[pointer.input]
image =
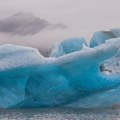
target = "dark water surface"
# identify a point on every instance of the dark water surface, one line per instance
(60, 114)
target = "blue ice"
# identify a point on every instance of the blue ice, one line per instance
(71, 77)
(68, 46)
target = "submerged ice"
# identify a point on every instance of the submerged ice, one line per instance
(75, 75)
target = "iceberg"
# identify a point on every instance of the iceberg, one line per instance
(71, 77)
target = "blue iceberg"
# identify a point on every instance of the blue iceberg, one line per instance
(71, 77)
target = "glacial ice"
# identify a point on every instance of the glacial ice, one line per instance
(110, 66)
(15, 65)
(71, 77)
(100, 37)
(67, 46)
(116, 32)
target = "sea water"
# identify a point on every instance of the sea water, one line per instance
(60, 114)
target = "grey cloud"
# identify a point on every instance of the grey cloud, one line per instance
(60, 26)
(25, 24)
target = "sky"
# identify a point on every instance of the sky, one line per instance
(41, 23)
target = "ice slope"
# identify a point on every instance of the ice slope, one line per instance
(67, 46)
(27, 79)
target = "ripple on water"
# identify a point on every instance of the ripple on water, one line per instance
(60, 114)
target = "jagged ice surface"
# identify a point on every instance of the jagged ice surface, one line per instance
(67, 46)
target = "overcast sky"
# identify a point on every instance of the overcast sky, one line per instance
(41, 23)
